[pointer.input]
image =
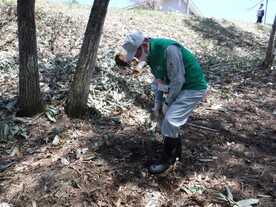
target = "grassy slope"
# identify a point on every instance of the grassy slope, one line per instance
(200, 35)
(60, 28)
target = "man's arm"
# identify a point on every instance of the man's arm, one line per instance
(158, 95)
(175, 72)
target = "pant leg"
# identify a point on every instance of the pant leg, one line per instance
(179, 112)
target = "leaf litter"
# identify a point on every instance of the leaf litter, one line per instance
(102, 160)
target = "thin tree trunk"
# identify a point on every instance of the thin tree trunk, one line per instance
(270, 52)
(188, 7)
(266, 6)
(76, 105)
(29, 100)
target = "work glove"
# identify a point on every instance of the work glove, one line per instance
(156, 110)
(165, 108)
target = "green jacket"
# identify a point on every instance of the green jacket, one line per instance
(194, 78)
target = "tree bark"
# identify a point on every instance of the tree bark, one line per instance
(29, 100)
(271, 48)
(76, 104)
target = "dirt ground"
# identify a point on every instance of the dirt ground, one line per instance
(234, 146)
(229, 141)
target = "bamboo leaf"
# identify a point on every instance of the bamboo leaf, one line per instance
(229, 193)
(247, 202)
(6, 130)
(51, 113)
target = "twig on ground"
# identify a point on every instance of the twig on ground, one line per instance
(202, 127)
(35, 118)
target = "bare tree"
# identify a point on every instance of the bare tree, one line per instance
(29, 100)
(271, 48)
(149, 4)
(78, 95)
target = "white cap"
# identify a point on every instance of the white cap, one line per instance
(132, 43)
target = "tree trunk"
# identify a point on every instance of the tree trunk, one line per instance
(271, 49)
(76, 104)
(29, 100)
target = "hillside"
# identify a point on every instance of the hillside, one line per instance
(102, 159)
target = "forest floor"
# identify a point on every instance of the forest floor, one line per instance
(102, 159)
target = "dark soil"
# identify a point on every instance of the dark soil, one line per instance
(237, 147)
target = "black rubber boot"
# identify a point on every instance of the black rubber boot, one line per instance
(172, 150)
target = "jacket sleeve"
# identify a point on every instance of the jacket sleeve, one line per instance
(158, 95)
(175, 72)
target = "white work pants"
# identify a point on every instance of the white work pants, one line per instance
(179, 112)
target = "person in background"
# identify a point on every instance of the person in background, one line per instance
(178, 85)
(260, 13)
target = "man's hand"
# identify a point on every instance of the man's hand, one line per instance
(165, 108)
(156, 110)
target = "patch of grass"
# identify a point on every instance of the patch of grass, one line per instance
(256, 61)
(42, 37)
(39, 28)
(260, 27)
(138, 11)
(225, 95)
